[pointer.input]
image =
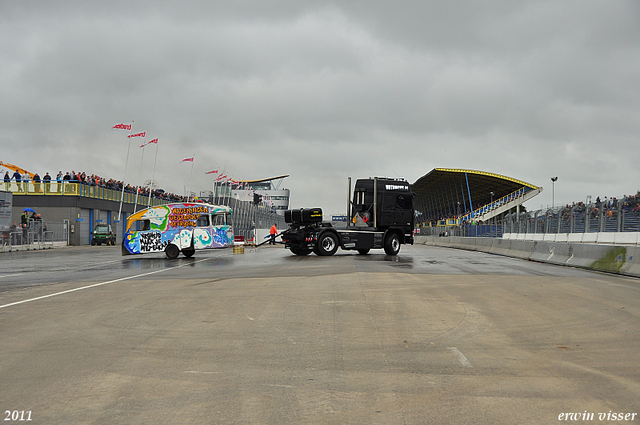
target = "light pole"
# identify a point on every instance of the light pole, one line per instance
(492, 218)
(553, 191)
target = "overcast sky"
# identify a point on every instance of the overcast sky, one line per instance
(325, 90)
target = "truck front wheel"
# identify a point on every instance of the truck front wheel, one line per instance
(327, 244)
(392, 244)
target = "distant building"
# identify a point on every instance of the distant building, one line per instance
(266, 192)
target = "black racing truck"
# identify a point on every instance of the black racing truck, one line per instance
(381, 215)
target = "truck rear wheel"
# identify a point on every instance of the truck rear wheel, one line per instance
(392, 244)
(327, 244)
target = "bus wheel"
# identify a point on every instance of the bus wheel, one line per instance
(188, 252)
(172, 251)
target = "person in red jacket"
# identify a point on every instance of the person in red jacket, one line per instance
(273, 232)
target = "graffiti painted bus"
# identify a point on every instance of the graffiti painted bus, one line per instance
(175, 228)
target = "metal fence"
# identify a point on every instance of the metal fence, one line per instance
(37, 234)
(247, 217)
(615, 215)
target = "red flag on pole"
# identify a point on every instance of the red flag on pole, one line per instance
(212, 172)
(122, 126)
(143, 134)
(149, 142)
(187, 160)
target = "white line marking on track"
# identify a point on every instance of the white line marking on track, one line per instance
(100, 284)
(10, 275)
(460, 356)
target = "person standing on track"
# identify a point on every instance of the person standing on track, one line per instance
(273, 232)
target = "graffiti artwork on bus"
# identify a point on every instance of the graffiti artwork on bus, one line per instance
(174, 228)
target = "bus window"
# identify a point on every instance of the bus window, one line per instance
(203, 221)
(219, 219)
(142, 225)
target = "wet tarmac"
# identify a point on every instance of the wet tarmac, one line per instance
(434, 335)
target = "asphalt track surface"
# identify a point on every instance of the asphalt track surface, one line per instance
(433, 336)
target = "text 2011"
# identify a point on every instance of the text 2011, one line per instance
(17, 415)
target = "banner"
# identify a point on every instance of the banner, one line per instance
(143, 134)
(187, 159)
(149, 142)
(122, 127)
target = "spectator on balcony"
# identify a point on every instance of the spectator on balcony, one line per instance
(25, 181)
(36, 182)
(18, 178)
(59, 181)
(7, 181)
(47, 183)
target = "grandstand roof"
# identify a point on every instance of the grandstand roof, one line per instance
(264, 180)
(453, 192)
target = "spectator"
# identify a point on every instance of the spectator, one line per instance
(47, 183)
(24, 223)
(59, 181)
(18, 178)
(25, 181)
(36, 182)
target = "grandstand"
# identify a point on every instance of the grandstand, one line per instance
(450, 197)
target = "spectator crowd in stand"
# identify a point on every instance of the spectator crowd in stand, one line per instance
(90, 180)
(608, 206)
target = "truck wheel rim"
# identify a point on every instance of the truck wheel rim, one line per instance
(395, 244)
(328, 244)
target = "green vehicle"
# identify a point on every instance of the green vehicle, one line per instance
(103, 234)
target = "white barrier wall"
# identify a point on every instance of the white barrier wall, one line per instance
(612, 258)
(611, 238)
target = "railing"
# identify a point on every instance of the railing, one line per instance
(80, 189)
(621, 215)
(495, 204)
(36, 235)
(480, 230)
(617, 216)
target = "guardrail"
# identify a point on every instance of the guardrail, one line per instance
(37, 235)
(80, 189)
(620, 215)
(594, 221)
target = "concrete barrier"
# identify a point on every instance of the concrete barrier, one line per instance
(500, 246)
(631, 266)
(619, 259)
(521, 249)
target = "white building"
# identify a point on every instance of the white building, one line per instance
(266, 191)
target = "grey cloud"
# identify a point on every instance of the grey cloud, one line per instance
(323, 90)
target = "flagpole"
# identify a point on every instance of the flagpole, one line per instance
(153, 174)
(190, 174)
(125, 173)
(135, 205)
